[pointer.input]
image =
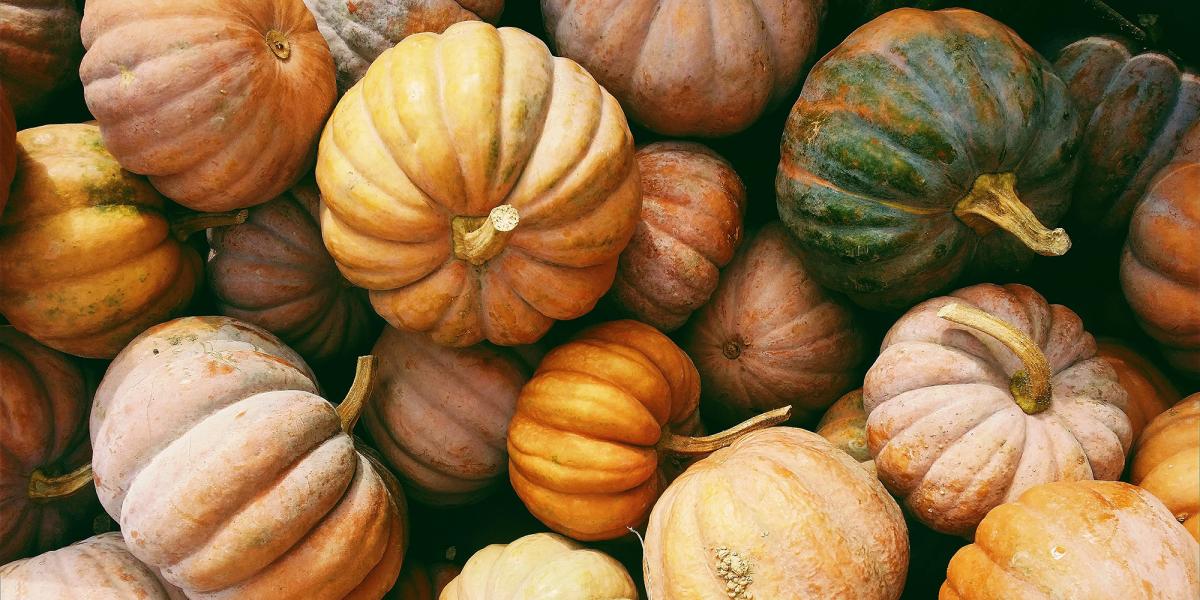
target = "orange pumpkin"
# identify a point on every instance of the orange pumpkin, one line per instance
(478, 186)
(98, 568)
(1166, 461)
(1100, 540)
(422, 581)
(8, 147)
(39, 50)
(1149, 390)
(845, 426)
(219, 102)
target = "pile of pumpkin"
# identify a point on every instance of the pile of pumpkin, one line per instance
(408, 160)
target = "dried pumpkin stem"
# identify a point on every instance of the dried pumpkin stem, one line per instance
(352, 405)
(1030, 387)
(43, 488)
(478, 239)
(278, 43)
(185, 226)
(694, 446)
(993, 202)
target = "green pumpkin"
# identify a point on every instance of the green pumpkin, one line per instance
(925, 145)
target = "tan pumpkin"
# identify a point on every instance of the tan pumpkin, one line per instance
(39, 51)
(845, 426)
(8, 147)
(982, 394)
(692, 208)
(771, 336)
(781, 514)
(98, 568)
(1166, 462)
(273, 271)
(541, 566)
(1149, 390)
(218, 420)
(1100, 540)
(478, 186)
(219, 102)
(422, 581)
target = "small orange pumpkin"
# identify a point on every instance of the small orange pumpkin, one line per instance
(1149, 390)
(845, 426)
(1166, 461)
(420, 580)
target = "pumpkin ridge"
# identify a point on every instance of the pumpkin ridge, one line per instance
(612, 388)
(459, 418)
(285, 238)
(448, 133)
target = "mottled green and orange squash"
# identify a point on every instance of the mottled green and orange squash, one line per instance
(845, 426)
(39, 50)
(927, 144)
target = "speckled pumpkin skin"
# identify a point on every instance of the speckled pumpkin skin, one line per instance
(98, 568)
(8, 147)
(1135, 108)
(87, 259)
(1148, 389)
(541, 566)
(891, 130)
(39, 50)
(1166, 462)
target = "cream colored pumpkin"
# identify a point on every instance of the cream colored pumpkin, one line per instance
(541, 566)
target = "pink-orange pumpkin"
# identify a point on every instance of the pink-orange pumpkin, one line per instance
(98, 568)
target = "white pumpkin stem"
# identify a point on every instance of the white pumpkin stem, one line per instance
(993, 202)
(695, 446)
(183, 227)
(478, 239)
(1030, 387)
(43, 488)
(352, 405)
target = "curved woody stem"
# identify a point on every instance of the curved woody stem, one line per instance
(360, 391)
(1030, 387)
(694, 446)
(43, 488)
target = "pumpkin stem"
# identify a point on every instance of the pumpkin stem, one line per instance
(352, 405)
(279, 44)
(478, 239)
(184, 226)
(993, 202)
(43, 488)
(696, 446)
(1030, 387)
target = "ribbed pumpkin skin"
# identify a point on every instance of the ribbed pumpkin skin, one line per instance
(1135, 108)
(845, 426)
(273, 271)
(1166, 462)
(948, 438)
(684, 68)
(581, 445)
(440, 415)
(44, 398)
(98, 568)
(87, 259)
(541, 566)
(8, 147)
(1102, 540)
(358, 32)
(499, 121)
(192, 94)
(771, 336)
(890, 132)
(784, 508)
(422, 581)
(1160, 274)
(218, 420)
(39, 50)
(1189, 145)
(1148, 389)
(693, 203)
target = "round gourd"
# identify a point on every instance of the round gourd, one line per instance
(771, 336)
(359, 31)
(219, 102)
(98, 568)
(925, 145)
(422, 581)
(1149, 390)
(216, 419)
(692, 208)
(779, 514)
(1102, 540)
(8, 147)
(845, 426)
(44, 398)
(1134, 107)
(273, 271)
(39, 50)
(1160, 271)
(478, 186)
(89, 256)
(980, 395)
(439, 415)
(1166, 462)
(544, 566)
(683, 68)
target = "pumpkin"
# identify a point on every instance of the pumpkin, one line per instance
(478, 186)
(1166, 462)
(926, 145)
(845, 426)
(543, 566)
(218, 420)
(358, 32)
(771, 336)
(273, 271)
(687, 69)
(88, 256)
(440, 415)
(1160, 274)
(1105, 540)
(44, 398)
(1189, 145)
(218, 102)
(39, 50)
(422, 581)
(8, 147)
(98, 568)
(1149, 390)
(1135, 108)
(692, 208)
(980, 395)
(781, 513)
